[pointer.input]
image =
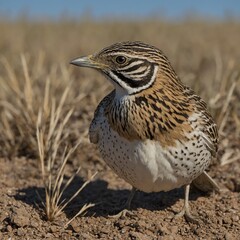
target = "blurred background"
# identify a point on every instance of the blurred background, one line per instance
(39, 38)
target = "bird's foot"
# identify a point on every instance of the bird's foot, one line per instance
(188, 216)
(125, 210)
(186, 209)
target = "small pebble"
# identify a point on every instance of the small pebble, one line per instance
(227, 220)
(9, 228)
(138, 235)
(108, 223)
(229, 236)
(53, 228)
(174, 229)
(34, 224)
(235, 218)
(20, 232)
(75, 226)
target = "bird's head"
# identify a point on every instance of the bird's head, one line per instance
(131, 66)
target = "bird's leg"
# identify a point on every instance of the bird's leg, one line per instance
(127, 205)
(186, 209)
(130, 198)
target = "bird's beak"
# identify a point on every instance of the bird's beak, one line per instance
(86, 62)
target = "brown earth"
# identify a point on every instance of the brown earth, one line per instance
(22, 216)
(205, 55)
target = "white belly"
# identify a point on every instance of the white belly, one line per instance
(144, 164)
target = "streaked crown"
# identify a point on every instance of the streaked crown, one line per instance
(131, 66)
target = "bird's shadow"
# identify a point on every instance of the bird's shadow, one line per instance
(107, 201)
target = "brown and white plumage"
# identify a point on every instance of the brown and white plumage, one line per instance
(152, 130)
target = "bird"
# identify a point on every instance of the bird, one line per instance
(152, 130)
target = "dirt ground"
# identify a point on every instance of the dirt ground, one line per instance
(22, 214)
(205, 55)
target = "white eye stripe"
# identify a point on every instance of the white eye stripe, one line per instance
(119, 81)
(140, 69)
(135, 63)
(129, 89)
(137, 74)
(136, 90)
(144, 71)
(134, 72)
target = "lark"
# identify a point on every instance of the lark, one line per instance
(151, 130)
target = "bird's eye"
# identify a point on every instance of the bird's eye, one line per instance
(120, 59)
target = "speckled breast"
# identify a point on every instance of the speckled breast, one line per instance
(146, 165)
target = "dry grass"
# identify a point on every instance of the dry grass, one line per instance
(50, 138)
(40, 93)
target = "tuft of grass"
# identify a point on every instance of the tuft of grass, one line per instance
(50, 139)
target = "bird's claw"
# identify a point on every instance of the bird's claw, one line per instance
(188, 216)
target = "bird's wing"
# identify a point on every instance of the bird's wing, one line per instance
(209, 127)
(98, 115)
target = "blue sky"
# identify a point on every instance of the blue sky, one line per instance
(172, 9)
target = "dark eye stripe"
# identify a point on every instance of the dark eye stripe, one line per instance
(133, 83)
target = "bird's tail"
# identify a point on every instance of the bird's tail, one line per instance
(205, 183)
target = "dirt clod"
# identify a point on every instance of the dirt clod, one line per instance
(229, 236)
(20, 217)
